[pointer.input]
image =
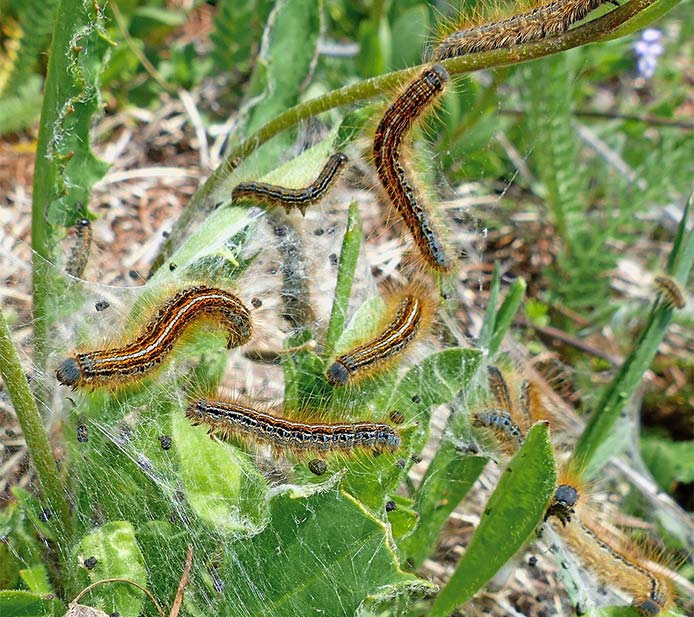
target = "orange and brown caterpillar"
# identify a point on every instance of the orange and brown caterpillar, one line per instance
(412, 316)
(670, 291)
(539, 23)
(510, 420)
(231, 418)
(399, 118)
(615, 561)
(293, 198)
(157, 339)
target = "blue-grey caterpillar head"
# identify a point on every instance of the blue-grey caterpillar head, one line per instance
(337, 374)
(69, 372)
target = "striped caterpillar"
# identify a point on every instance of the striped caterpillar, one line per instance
(539, 23)
(615, 561)
(79, 255)
(508, 420)
(293, 198)
(670, 291)
(399, 118)
(152, 347)
(231, 418)
(411, 317)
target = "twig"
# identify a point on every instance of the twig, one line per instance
(615, 115)
(566, 338)
(178, 600)
(127, 581)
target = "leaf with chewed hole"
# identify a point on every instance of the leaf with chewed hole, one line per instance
(512, 513)
(112, 552)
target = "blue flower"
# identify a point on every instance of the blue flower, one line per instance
(648, 49)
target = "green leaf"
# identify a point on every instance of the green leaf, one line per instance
(374, 47)
(322, 553)
(506, 313)
(222, 486)
(512, 513)
(448, 479)
(434, 381)
(117, 555)
(66, 167)
(351, 244)
(668, 461)
(409, 37)
(238, 25)
(21, 109)
(36, 579)
(26, 604)
(285, 61)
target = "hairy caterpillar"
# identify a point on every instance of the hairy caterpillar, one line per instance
(79, 255)
(411, 317)
(615, 561)
(293, 198)
(510, 420)
(231, 418)
(670, 291)
(152, 347)
(541, 22)
(399, 118)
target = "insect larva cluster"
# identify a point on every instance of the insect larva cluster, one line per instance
(614, 561)
(314, 434)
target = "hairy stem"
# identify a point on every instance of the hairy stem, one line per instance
(35, 435)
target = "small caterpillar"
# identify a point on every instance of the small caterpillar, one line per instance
(542, 22)
(501, 421)
(230, 418)
(151, 348)
(419, 95)
(410, 319)
(510, 420)
(615, 562)
(289, 198)
(79, 255)
(670, 291)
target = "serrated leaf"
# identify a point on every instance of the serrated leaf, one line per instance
(221, 484)
(238, 28)
(66, 167)
(36, 579)
(117, 555)
(321, 554)
(512, 513)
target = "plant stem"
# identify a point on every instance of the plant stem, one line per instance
(35, 435)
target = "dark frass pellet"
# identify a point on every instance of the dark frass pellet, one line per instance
(256, 302)
(90, 562)
(317, 466)
(101, 305)
(165, 441)
(390, 506)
